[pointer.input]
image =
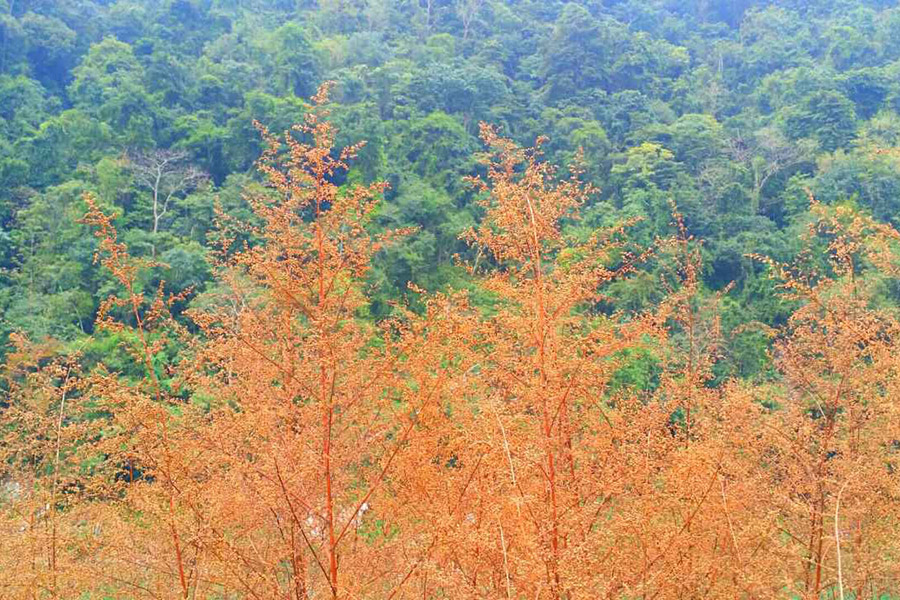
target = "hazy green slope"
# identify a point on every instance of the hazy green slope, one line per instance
(734, 110)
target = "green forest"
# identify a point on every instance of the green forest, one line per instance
(731, 110)
(439, 299)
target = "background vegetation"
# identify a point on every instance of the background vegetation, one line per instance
(730, 109)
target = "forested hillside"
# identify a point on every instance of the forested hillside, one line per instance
(360, 299)
(729, 109)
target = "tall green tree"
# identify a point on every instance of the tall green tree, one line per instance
(109, 86)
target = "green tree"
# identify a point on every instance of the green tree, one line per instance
(467, 90)
(55, 291)
(23, 106)
(294, 61)
(829, 117)
(579, 53)
(868, 89)
(12, 42)
(772, 39)
(645, 180)
(426, 256)
(848, 47)
(51, 49)
(109, 86)
(62, 143)
(694, 139)
(439, 150)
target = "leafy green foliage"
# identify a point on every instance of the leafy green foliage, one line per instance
(729, 110)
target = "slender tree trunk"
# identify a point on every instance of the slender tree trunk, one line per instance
(326, 398)
(299, 566)
(541, 323)
(837, 542)
(329, 498)
(53, 532)
(156, 214)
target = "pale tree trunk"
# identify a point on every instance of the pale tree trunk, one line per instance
(165, 174)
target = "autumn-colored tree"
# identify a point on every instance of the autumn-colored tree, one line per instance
(264, 463)
(830, 445)
(690, 524)
(287, 454)
(536, 420)
(42, 425)
(77, 442)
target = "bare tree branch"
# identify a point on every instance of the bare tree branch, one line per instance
(167, 175)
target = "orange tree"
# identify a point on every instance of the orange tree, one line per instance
(535, 417)
(829, 448)
(308, 411)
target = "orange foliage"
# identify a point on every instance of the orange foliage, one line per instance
(536, 417)
(832, 441)
(298, 450)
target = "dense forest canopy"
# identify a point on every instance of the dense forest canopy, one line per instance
(449, 299)
(729, 109)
